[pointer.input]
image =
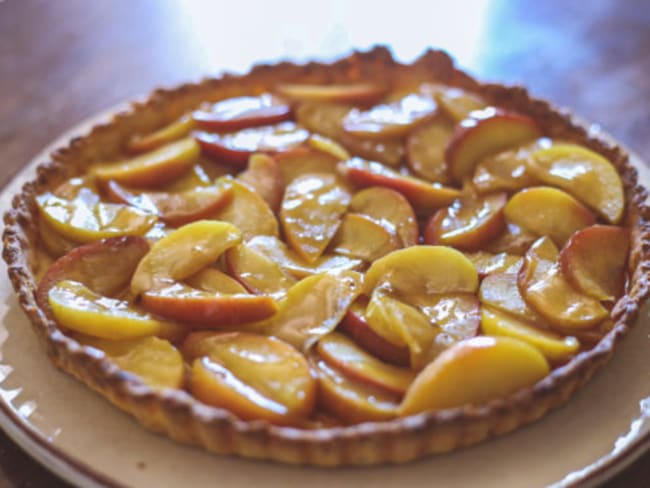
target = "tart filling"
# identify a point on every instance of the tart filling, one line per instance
(354, 263)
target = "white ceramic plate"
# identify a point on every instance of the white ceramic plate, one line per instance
(82, 438)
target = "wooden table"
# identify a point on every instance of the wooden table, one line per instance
(62, 61)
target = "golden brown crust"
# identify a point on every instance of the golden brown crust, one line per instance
(186, 420)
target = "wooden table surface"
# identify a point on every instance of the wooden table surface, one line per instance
(63, 61)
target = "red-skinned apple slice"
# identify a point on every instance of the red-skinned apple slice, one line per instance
(361, 93)
(468, 223)
(483, 133)
(424, 196)
(263, 175)
(425, 149)
(544, 288)
(235, 148)
(243, 112)
(591, 269)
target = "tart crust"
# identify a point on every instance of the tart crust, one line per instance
(183, 418)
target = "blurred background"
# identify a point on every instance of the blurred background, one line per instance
(63, 61)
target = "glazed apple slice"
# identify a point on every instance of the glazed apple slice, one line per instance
(83, 188)
(390, 209)
(258, 273)
(423, 269)
(182, 253)
(547, 211)
(175, 209)
(255, 377)
(425, 149)
(77, 308)
(483, 133)
(583, 173)
(424, 196)
(457, 103)
(247, 210)
(555, 348)
(500, 291)
(500, 366)
(352, 400)
(213, 280)
(596, 273)
(390, 120)
(238, 113)
(196, 177)
(311, 213)
(169, 133)
(514, 240)
(328, 146)
(77, 221)
(360, 93)
(154, 168)
(235, 148)
(302, 161)
(263, 175)
(362, 238)
(488, 263)
(468, 223)
(341, 353)
(185, 304)
(544, 288)
(54, 243)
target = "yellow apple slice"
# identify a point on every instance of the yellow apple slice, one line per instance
(311, 213)
(214, 281)
(555, 348)
(548, 211)
(360, 237)
(169, 133)
(583, 173)
(355, 93)
(488, 263)
(195, 178)
(79, 188)
(500, 366)
(500, 291)
(390, 209)
(544, 288)
(258, 273)
(263, 175)
(183, 252)
(596, 273)
(77, 308)
(455, 102)
(423, 269)
(483, 133)
(425, 148)
(155, 361)
(303, 161)
(341, 353)
(328, 146)
(54, 243)
(247, 210)
(253, 376)
(83, 223)
(424, 196)
(514, 240)
(153, 168)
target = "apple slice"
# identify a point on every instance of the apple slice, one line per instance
(213, 280)
(104, 266)
(583, 173)
(76, 307)
(500, 366)
(182, 303)
(235, 148)
(355, 326)
(247, 210)
(548, 211)
(302, 161)
(54, 243)
(360, 93)
(500, 291)
(175, 209)
(258, 273)
(328, 146)
(263, 175)
(83, 223)
(311, 213)
(238, 113)
(596, 273)
(488, 263)
(176, 130)
(390, 209)
(468, 223)
(425, 149)
(514, 240)
(391, 120)
(457, 103)
(544, 288)
(423, 269)
(362, 238)
(352, 400)
(424, 196)
(182, 253)
(483, 133)
(252, 376)
(341, 353)
(555, 348)
(154, 168)
(83, 189)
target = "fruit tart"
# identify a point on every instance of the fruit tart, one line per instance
(352, 263)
